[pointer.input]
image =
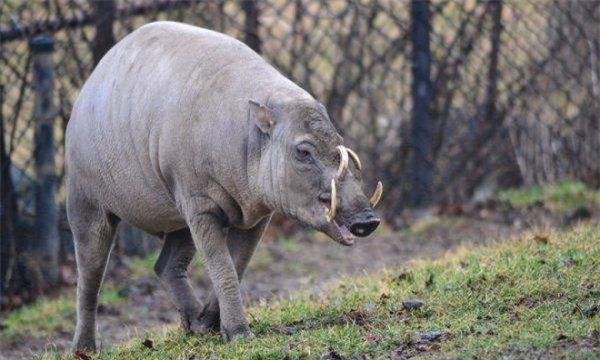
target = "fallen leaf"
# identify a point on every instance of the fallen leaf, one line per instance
(431, 336)
(404, 275)
(413, 304)
(79, 355)
(594, 310)
(148, 343)
(358, 317)
(333, 355)
(289, 330)
(541, 238)
(401, 353)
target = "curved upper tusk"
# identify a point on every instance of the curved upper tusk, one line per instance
(343, 169)
(354, 158)
(330, 215)
(376, 195)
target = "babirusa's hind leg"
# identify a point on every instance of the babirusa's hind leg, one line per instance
(171, 268)
(93, 234)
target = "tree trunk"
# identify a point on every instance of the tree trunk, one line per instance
(7, 215)
(492, 86)
(492, 122)
(104, 13)
(47, 243)
(421, 162)
(20, 276)
(251, 25)
(134, 242)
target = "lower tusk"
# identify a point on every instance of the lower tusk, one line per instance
(355, 159)
(330, 215)
(376, 195)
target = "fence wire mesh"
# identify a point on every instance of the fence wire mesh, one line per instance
(515, 84)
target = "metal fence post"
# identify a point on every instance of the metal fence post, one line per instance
(104, 39)
(421, 164)
(46, 243)
(251, 25)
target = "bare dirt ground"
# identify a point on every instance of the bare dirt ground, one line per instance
(305, 261)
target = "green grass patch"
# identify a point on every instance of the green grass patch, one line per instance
(432, 224)
(562, 197)
(528, 297)
(141, 267)
(289, 244)
(47, 316)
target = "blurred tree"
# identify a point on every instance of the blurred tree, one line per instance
(133, 242)
(7, 214)
(492, 120)
(20, 275)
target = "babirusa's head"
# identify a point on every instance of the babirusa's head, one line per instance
(305, 171)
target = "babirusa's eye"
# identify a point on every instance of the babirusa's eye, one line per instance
(303, 154)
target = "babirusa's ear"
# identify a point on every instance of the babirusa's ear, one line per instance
(261, 116)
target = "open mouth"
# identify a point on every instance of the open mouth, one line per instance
(338, 233)
(341, 234)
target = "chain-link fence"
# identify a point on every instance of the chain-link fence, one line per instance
(511, 87)
(514, 83)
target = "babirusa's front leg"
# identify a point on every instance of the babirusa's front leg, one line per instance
(210, 239)
(241, 244)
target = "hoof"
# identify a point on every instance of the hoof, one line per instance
(206, 322)
(189, 320)
(240, 332)
(83, 347)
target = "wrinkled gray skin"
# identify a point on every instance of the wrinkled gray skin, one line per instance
(188, 134)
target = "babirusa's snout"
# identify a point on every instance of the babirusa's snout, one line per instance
(345, 155)
(351, 215)
(364, 223)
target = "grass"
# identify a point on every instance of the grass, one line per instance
(434, 223)
(47, 316)
(144, 267)
(534, 296)
(561, 197)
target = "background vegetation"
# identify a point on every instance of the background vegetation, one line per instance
(480, 118)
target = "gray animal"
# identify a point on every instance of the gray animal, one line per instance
(188, 134)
